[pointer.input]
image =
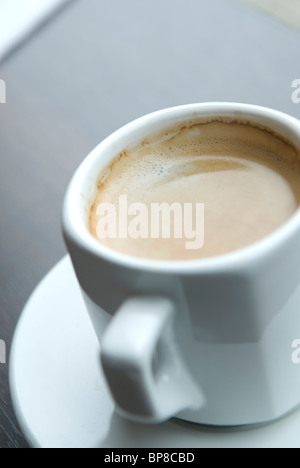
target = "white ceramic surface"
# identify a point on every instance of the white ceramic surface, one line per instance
(61, 398)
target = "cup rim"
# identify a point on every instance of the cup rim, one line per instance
(75, 229)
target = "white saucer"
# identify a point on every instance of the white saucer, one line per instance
(60, 396)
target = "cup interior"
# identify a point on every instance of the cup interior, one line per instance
(82, 189)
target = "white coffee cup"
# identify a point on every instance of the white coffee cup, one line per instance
(208, 341)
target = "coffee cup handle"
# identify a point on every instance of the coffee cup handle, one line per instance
(148, 378)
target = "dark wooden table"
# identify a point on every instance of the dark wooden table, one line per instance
(94, 67)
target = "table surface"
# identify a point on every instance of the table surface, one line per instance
(91, 69)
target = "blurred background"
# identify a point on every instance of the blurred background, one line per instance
(76, 70)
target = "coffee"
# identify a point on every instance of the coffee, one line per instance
(246, 177)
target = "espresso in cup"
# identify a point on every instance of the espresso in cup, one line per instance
(198, 190)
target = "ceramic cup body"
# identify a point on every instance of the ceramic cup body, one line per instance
(208, 341)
